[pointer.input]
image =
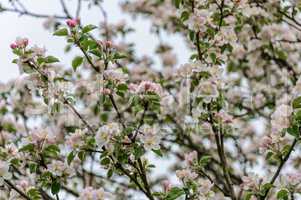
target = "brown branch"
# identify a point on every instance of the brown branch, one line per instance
(11, 185)
(282, 163)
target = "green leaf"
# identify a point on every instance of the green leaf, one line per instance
(265, 187)
(174, 193)
(105, 161)
(118, 56)
(213, 57)
(70, 157)
(33, 167)
(247, 196)
(294, 131)
(122, 87)
(297, 115)
(34, 194)
(18, 52)
(297, 103)
(88, 28)
(158, 152)
(51, 150)
(61, 32)
(283, 194)
(77, 61)
(55, 187)
(81, 155)
(204, 160)
(27, 148)
(184, 15)
(177, 3)
(51, 59)
(110, 173)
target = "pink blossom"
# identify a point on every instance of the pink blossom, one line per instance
(108, 44)
(166, 185)
(72, 22)
(19, 43)
(105, 91)
(148, 86)
(13, 46)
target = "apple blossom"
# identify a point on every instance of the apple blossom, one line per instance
(226, 121)
(72, 22)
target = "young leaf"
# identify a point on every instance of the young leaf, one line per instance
(34, 194)
(70, 157)
(51, 59)
(297, 103)
(61, 32)
(158, 152)
(55, 187)
(77, 61)
(174, 193)
(88, 28)
(283, 194)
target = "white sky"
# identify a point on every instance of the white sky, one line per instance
(13, 26)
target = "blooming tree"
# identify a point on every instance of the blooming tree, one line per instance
(228, 122)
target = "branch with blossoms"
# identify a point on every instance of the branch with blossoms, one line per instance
(227, 122)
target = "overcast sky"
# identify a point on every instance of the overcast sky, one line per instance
(13, 26)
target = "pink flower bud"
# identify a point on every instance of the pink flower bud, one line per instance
(72, 22)
(25, 42)
(105, 91)
(13, 46)
(108, 44)
(19, 43)
(166, 185)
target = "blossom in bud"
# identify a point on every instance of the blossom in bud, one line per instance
(166, 185)
(148, 86)
(72, 22)
(105, 91)
(108, 44)
(13, 46)
(19, 43)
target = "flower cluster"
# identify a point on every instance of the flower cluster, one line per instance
(104, 127)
